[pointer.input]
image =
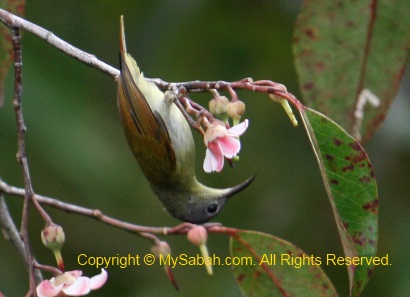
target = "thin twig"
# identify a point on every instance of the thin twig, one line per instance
(12, 20)
(261, 86)
(21, 156)
(48, 268)
(98, 215)
(12, 233)
(88, 212)
(180, 95)
(21, 130)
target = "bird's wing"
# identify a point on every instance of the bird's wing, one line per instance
(146, 131)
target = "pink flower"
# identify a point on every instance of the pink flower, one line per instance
(71, 283)
(221, 142)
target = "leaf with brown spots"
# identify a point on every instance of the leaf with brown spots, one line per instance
(344, 47)
(274, 267)
(351, 186)
(6, 49)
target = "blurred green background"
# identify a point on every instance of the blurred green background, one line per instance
(78, 153)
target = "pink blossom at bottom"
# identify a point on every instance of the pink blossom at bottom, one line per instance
(71, 283)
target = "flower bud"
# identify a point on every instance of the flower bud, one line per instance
(212, 106)
(53, 237)
(197, 235)
(286, 107)
(236, 109)
(221, 103)
(161, 248)
(218, 107)
(277, 98)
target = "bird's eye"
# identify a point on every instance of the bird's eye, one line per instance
(212, 208)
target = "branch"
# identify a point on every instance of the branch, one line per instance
(12, 233)
(48, 268)
(21, 157)
(98, 215)
(14, 21)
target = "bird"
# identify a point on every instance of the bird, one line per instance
(161, 140)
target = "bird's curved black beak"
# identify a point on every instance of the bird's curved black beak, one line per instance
(236, 189)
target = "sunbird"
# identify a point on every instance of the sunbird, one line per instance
(161, 140)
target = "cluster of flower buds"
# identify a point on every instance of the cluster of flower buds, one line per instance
(223, 109)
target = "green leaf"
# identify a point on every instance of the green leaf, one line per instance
(351, 186)
(6, 48)
(268, 270)
(344, 47)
